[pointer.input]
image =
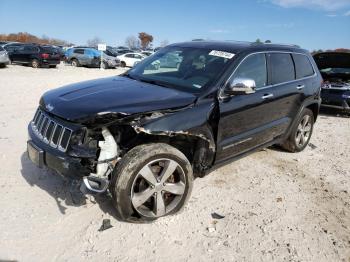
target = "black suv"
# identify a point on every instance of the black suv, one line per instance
(34, 54)
(147, 134)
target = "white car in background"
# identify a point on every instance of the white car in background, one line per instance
(147, 53)
(130, 59)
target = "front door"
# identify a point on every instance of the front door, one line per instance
(248, 121)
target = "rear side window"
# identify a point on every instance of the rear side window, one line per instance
(281, 68)
(78, 51)
(254, 68)
(49, 49)
(303, 67)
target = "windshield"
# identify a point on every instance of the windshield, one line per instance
(189, 69)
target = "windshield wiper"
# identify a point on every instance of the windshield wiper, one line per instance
(153, 82)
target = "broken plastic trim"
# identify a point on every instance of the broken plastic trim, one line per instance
(98, 182)
(95, 184)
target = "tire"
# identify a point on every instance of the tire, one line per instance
(122, 64)
(136, 198)
(53, 66)
(35, 63)
(105, 65)
(301, 132)
(75, 63)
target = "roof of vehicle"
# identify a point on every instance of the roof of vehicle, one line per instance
(236, 46)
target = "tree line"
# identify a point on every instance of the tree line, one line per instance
(25, 37)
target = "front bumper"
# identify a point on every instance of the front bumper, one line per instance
(42, 155)
(113, 63)
(336, 98)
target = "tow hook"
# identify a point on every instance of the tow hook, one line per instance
(98, 182)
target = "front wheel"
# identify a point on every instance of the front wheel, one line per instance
(301, 132)
(151, 181)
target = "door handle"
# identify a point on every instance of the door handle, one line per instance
(299, 87)
(267, 96)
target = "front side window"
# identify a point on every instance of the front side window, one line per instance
(186, 68)
(282, 68)
(303, 67)
(254, 68)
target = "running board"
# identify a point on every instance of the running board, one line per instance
(95, 184)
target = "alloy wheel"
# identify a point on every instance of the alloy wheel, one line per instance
(158, 188)
(303, 131)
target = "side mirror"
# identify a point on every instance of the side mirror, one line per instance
(240, 86)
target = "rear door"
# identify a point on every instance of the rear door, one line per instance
(287, 91)
(30, 52)
(79, 54)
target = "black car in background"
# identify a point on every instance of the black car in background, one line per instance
(33, 54)
(335, 70)
(147, 134)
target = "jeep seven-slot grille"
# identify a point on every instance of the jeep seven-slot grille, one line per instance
(51, 132)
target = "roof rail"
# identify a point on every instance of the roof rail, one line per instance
(281, 44)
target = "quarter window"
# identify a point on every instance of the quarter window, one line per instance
(254, 68)
(282, 68)
(78, 51)
(303, 67)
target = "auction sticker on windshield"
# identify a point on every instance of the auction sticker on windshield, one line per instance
(221, 54)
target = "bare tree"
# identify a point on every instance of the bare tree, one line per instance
(94, 41)
(164, 43)
(132, 42)
(145, 39)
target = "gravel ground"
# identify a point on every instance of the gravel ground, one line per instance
(278, 206)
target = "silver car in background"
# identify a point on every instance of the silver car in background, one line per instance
(4, 58)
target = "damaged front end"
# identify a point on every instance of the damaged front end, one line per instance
(190, 129)
(98, 144)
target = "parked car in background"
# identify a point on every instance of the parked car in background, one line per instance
(130, 59)
(157, 49)
(90, 57)
(147, 53)
(33, 54)
(335, 70)
(4, 58)
(124, 51)
(147, 134)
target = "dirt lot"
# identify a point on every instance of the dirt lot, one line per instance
(277, 206)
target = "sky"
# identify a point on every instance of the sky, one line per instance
(312, 24)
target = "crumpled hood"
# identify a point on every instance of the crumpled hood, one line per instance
(118, 95)
(332, 60)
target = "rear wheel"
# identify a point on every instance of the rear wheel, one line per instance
(35, 63)
(301, 132)
(75, 63)
(152, 181)
(104, 65)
